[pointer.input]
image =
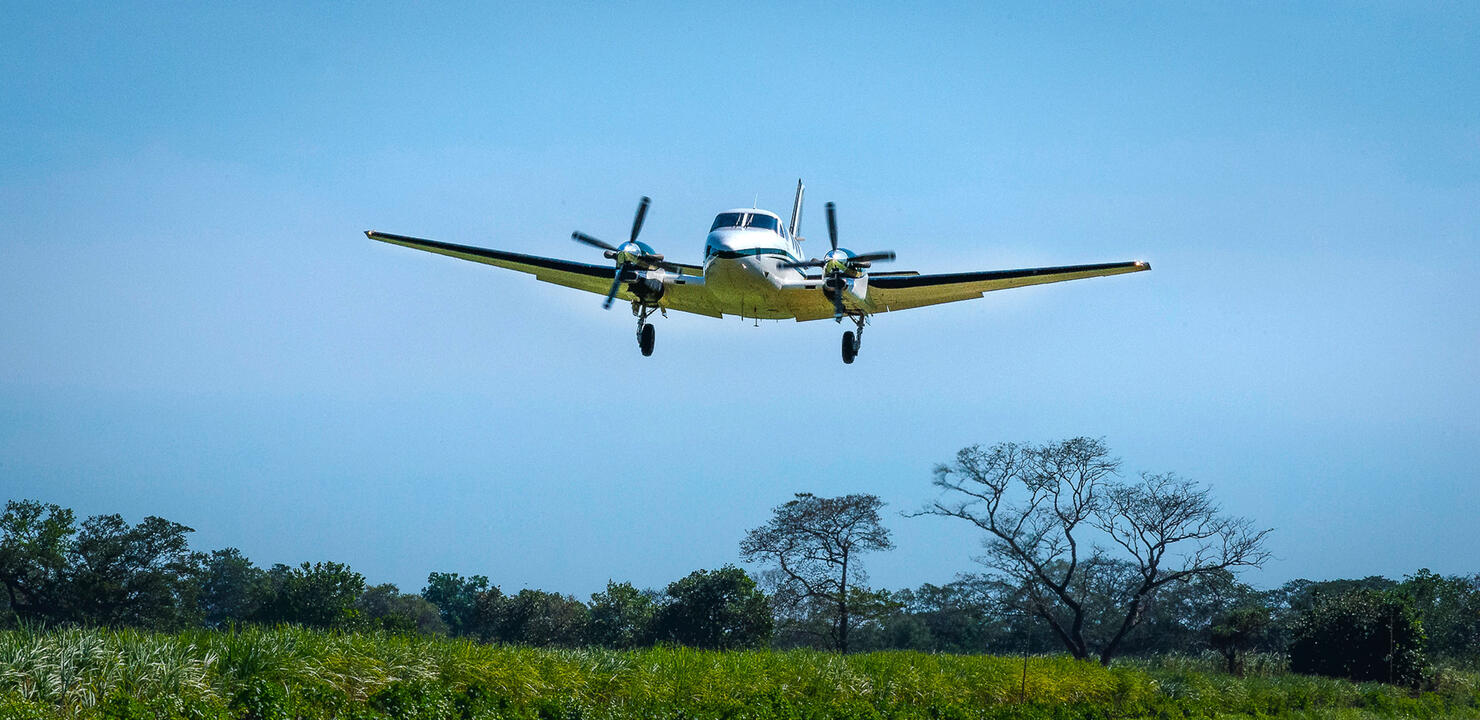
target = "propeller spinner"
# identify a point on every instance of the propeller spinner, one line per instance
(840, 263)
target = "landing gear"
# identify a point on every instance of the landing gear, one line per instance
(645, 338)
(646, 334)
(853, 342)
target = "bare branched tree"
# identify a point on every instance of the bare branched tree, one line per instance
(814, 542)
(1043, 507)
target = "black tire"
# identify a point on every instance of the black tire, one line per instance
(646, 340)
(849, 350)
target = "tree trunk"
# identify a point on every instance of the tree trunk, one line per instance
(843, 608)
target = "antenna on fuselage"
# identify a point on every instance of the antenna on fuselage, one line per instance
(796, 212)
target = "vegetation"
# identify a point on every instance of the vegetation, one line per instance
(1072, 537)
(100, 618)
(300, 673)
(814, 543)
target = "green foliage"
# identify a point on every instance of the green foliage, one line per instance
(318, 595)
(283, 673)
(1363, 635)
(621, 617)
(383, 607)
(142, 575)
(719, 609)
(541, 619)
(231, 588)
(1236, 633)
(456, 598)
(1451, 612)
(34, 540)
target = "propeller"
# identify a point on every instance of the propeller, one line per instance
(632, 254)
(839, 263)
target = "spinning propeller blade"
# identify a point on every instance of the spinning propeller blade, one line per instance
(832, 225)
(581, 237)
(642, 207)
(616, 283)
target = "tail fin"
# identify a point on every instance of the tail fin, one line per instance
(796, 211)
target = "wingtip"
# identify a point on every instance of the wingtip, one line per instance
(370, 234)
(1143, 265)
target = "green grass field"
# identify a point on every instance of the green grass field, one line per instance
(294, 673)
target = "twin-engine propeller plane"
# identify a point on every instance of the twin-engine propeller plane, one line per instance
(753, 268)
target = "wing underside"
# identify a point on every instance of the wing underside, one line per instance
(887, 293)
(685, 291)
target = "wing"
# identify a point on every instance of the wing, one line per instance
(685, 292)
(912, 291)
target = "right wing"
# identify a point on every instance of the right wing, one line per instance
(685, 291)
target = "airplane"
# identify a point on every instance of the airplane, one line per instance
(753, 267)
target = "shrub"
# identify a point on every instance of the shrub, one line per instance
(1364, 635)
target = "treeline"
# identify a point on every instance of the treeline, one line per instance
(106, 572)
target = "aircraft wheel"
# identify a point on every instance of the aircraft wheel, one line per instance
(849, 349)
(646, 340)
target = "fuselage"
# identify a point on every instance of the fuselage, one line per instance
(744, 256)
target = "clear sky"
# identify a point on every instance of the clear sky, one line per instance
(192, 324)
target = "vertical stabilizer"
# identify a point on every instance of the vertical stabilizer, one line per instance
(796, 211)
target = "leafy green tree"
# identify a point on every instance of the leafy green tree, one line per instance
(1364, 635)
(814, 543)
(1237, 632)
(231, 588)
(1450, 607)
(544, 619)
(318, 595)
(384, 607)
(621, 617)
(716, 609)
(34, 541)
(143, 575)
(456, 598)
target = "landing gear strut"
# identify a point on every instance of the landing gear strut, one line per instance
(646, 334)
(853, 342)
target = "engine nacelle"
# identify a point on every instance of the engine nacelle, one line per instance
(647, 289)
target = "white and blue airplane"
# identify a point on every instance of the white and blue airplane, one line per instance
(753, 268)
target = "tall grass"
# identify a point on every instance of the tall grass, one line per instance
(295, 673)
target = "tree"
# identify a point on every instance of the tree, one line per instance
(1364, 635)
(318, 595)
(143, 575)
(1237, 632)
(621, 617)
(231, 588)
(34, 540)
(1043, 506)
(814, 542)
(543, 619)
(384, 607)
(716, 609)
(1450, 607)
(456, 598)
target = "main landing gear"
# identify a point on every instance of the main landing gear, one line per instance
(851, 341)
(646, 335)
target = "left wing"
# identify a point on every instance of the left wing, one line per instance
(685, 291)
(902, 292)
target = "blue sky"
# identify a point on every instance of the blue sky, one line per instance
(194, 326)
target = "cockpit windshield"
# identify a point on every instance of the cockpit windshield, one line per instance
(727, 220)
(757, 221)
